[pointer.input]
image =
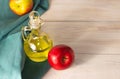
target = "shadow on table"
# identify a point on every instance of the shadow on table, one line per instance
(82, 59)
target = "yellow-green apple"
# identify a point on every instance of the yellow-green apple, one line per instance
(21, 7)
(61, 57)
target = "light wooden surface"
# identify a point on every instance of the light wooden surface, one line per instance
(92, 29)
(83, 10)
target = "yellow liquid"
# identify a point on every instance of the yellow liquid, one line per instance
(37, 48)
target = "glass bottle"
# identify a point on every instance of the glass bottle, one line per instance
(37, 44)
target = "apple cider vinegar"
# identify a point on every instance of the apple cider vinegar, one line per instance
(37, 44)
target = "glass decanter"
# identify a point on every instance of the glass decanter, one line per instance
(37, 43)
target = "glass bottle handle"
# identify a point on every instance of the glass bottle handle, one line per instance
(24, 32)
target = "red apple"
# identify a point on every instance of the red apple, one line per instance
(21, 7)
(60, 57)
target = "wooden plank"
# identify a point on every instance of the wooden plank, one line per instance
(86, 37)
(89, 67)
(83, 10)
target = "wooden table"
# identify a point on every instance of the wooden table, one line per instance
(92, 29)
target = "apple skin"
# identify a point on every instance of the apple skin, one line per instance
(21, 7)
(61, 57)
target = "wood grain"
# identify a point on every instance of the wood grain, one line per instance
(92, 29)
(86, 37)
(89, 67)
(83, 10)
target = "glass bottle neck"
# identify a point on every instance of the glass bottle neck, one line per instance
(36, 30)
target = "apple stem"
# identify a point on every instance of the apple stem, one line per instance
(64, 59)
